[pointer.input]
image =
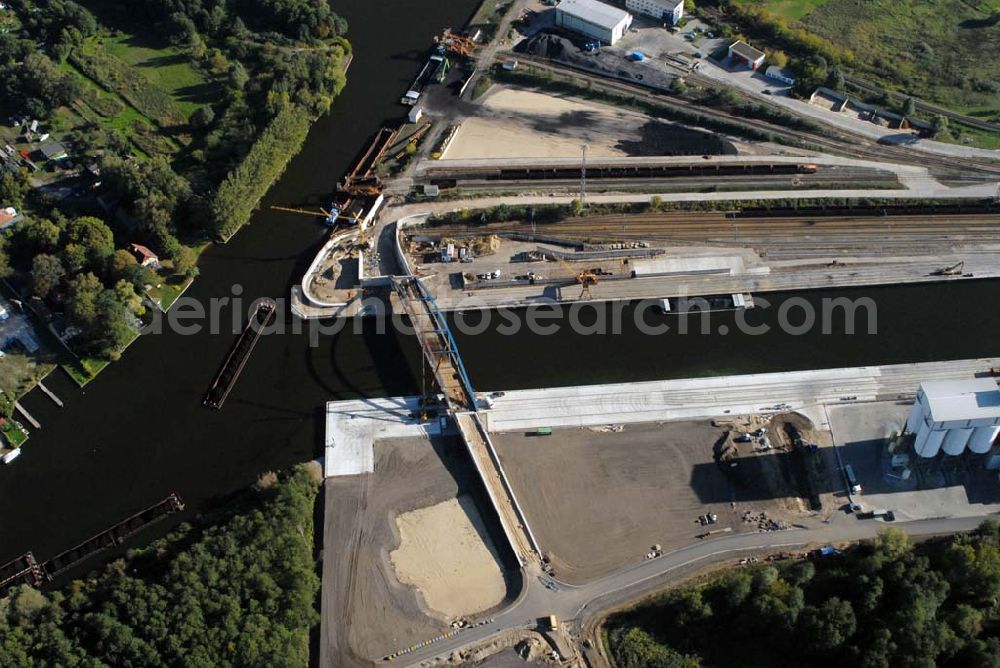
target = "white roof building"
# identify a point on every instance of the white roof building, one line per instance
(950, 404)
(668, 11)
(951, 416)
(593, 19)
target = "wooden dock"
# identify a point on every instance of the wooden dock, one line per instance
(50, 394)
(27, 416)
(240, 353)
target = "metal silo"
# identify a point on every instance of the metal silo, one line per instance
(916, 418)
(982, 439)
(920, 446)
(954, 442)
(932, 443)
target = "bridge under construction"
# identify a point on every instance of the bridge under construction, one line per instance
(441, 355)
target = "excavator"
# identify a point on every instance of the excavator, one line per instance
(586, 277)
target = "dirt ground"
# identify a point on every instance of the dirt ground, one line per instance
(598, 501)
(445, 552)
(374, 613)
(518, 123)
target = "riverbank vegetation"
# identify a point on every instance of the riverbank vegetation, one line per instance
(238, 592)
(884, 602)
(175, 118)
(245, 185)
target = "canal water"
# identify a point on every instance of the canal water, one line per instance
(139, 431)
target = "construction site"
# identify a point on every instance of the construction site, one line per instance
(562, 146)
(492, 527)
(446, 559)
(670, 255)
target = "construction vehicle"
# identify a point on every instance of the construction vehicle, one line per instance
(952, 270)
(587, 278)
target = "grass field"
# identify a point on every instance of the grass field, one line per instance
(947, 51)
(13, 434)
(789, 9)
(166, 68)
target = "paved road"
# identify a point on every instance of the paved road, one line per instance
(698, 398)
(582, 603)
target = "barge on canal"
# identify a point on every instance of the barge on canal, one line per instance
(262, 316)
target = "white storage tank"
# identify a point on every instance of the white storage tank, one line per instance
(916, 418)
(932, 443)
(920, 446)
(954, 442)
(982, 439)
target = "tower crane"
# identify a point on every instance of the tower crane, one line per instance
(586, 277)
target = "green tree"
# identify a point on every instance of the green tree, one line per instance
(33, 236)
(637, 649)
(186, 262)
(13, 188)
(893, 543)
(46, 274)
(5, 267)
(202, 117)
(94, 237)
(939, 126)
(909, 106)
(828, 626)
(836, 79)
(81, 299)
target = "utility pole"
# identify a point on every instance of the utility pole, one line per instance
(583, 177)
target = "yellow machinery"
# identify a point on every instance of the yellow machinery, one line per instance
(586, 278)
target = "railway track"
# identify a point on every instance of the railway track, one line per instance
(685, 184)
(837, 141)
(779, 237)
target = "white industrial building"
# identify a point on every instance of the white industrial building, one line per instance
(668, 11)
(952, 415)
(593, 19)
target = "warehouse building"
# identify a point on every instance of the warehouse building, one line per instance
(741, 53)
(955, 415)
(667, 11)
(593, 19)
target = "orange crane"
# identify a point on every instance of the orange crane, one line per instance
(586, 277)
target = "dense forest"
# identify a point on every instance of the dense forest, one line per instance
(260, 58)
(238, 593)
(184, 113)
(886, 603)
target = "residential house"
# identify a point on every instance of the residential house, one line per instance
(144, 256)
